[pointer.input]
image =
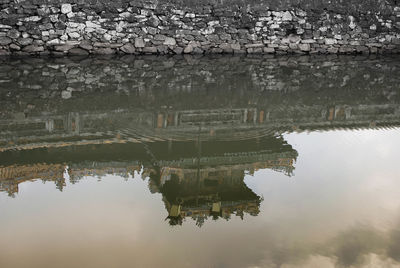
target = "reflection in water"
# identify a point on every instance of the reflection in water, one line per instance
(195, 130)
(192, 176)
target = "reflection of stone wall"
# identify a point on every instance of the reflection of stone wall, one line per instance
(179, 82)
(197, 27)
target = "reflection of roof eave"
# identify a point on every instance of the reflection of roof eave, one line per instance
(346, 125)
(189, 134)
(31, 146)
(124, 150)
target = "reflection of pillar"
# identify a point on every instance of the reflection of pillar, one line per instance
(250, 116)
(212, 132)
(165, 121)
(73, 123)
(170, 120)
(331, 114)
(50, 125)
(176, 119)
(348, 112)
(342, 113)
(267, 116)
(245, 116)
(261, 117)
(339, 112)
(76, 125)
(255, 116)
(160, 120)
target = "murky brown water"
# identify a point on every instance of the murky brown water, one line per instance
(200, 162)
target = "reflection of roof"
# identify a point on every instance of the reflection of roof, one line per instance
(279, 164)
(165, 153)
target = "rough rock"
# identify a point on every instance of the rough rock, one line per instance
(290, 26)
(104, 51)
(66, 8)
(78, 51)
(33, 48)
(63, 48)
(169, 41)
(139, 43)
(188, 49)
(5, 41)
(128, 48)
(66, 94)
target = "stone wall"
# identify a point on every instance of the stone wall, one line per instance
(199, 27)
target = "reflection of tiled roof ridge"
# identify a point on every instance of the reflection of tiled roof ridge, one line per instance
(61, 144)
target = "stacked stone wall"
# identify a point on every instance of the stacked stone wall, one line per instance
(199, 27)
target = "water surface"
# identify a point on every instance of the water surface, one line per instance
(200, 162)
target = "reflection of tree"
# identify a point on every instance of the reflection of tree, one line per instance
(200, 221)
(60, 184)
(172, 189)
(175, 221)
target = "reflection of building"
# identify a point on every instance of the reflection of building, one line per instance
(219, 158)
(212, 184)
(195, 191)
(193, 175)
(195, 140)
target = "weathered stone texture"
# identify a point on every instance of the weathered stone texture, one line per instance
(197, 27)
